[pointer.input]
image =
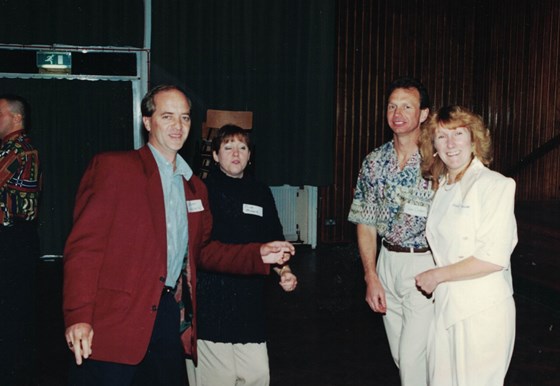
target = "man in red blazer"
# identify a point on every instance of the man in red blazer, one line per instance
(141, 227)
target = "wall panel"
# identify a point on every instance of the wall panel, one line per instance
(497, 57)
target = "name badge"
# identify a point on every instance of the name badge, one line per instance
(253, 209)
(415, 210)
(194, 206)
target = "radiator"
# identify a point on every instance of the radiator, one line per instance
(297, 210)
(286, 202)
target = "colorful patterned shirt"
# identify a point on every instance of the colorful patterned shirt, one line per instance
(394, 201)
(20, 179)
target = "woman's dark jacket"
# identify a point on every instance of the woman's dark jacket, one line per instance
(231, 308)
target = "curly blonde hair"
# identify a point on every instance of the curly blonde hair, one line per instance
(452, 117)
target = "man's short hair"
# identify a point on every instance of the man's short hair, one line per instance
(148, 105)
(409, 82)
(18, 105)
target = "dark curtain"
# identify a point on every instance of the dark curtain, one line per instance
(73, 120)
(72, 22)
(274, 57)
(70, 122)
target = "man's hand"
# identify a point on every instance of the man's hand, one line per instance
(277, 252)
(79, 338)
(375, 295)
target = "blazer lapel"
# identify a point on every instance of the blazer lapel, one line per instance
(155, 198)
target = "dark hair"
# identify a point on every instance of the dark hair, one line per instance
(148, 105)
(18, 105)
(408, 82)
(228, 132)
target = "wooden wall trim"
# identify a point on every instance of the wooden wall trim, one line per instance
(500, 58)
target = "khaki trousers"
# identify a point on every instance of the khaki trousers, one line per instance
(409, 312)
(228, 364)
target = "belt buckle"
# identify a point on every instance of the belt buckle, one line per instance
(166, 289)
(401, 249)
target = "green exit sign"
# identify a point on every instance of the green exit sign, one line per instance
(54, 60)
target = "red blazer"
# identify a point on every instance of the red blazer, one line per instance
(115, 258)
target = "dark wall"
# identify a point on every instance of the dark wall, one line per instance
(497, 57)
(274, 58)
(75, 22)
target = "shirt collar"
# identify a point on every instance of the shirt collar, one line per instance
(414, 159)
(181, 166)
(12, 135)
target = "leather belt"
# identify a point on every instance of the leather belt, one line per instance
(398, 248)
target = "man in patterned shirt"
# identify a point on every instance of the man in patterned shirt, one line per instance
(391, 200)
(20, 178)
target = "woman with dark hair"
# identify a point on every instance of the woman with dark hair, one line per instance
(472, 232)
(231, 308)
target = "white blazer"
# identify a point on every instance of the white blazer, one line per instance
(473, 218)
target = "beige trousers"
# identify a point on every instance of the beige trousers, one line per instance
(227, 364)
(409, 313)
(475, 351)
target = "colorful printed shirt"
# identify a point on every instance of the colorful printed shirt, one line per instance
(20, 179)
(394, 201)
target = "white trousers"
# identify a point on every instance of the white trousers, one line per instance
(228, 364)
(409, 312)
(475, 351)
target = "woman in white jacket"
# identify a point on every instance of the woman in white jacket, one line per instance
(472, 232)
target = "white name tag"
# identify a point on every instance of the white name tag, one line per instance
(415, 210)
(253, 209)
(194, 206)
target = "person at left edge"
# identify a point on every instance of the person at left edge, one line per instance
(142, 225)
(20, 185)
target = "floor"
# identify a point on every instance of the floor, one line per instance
(324, 333)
